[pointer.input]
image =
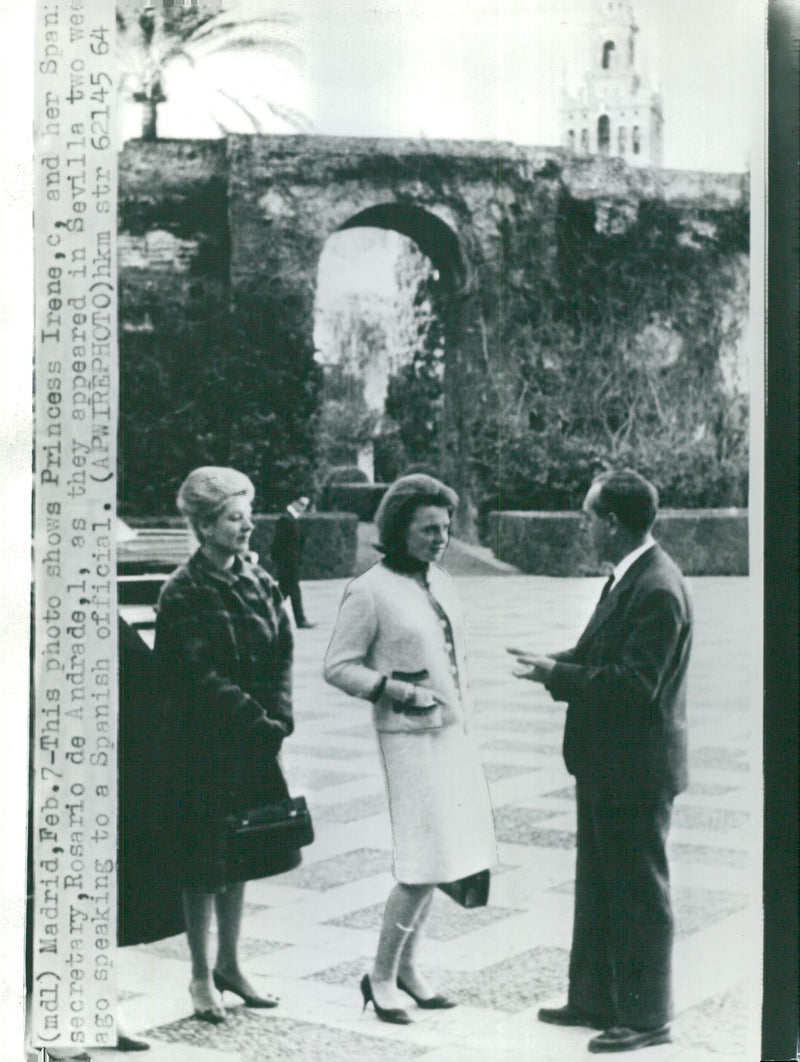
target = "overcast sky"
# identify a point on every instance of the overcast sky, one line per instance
(490, 70)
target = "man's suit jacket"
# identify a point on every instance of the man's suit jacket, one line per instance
(285, 548)
(625, 685)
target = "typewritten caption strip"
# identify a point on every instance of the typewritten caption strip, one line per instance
(74, 724)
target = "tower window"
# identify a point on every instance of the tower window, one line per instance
(608, 48)
(585, 141)
(636, 141)
(571, 139)
(603, 134)
(622, 144)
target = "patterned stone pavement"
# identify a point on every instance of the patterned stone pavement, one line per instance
(308, 936)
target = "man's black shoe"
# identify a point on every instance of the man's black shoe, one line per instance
(304, 625)
(619, 1038)
(570, 1015)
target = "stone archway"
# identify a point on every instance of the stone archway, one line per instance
(371, 327)
(247, 219)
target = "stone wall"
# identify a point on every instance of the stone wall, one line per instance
(237, 226)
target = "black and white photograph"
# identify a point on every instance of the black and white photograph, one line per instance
(396, 627)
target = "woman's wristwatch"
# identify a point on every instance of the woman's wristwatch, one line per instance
(410, 696)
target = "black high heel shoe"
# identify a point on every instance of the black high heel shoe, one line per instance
(437, 1002)
(222, 984)
(130, 1043)
(393, 1015)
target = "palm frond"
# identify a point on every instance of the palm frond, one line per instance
(251, 38)
(294, 118)
(253, 118)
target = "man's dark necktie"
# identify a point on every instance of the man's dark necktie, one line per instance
(608, 584)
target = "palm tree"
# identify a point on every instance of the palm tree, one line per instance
(150, 38)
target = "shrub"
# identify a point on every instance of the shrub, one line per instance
(549, 472)
(362, 499)
(211, 384)
(328, 543)
(346, 474)
(702, 542)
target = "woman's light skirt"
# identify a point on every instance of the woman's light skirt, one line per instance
(439, 805)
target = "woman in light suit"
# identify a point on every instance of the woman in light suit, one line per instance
(399, 643)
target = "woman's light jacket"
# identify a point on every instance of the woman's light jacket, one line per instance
(387, 626)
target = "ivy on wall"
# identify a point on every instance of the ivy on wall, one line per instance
(621, 355)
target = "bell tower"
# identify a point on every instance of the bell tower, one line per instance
(613, 113)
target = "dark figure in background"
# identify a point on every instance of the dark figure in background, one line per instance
(286, 555)
(223, 652)
(625, 742)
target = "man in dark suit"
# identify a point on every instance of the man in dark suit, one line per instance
(625, 742)
(286, 555)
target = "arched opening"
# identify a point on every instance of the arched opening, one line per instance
(603, 134)
(381, 335)
(608, 51)
(571, 139)
(622, 140)
(636, 140)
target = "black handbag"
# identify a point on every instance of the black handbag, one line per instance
(469, 892)
(267, 841)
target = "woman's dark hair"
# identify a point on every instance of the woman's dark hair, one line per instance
(401, 501)
(632, 498)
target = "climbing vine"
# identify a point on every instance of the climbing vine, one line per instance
(624, 354)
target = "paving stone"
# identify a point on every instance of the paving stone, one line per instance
(690, 817)
(496, 772)
(347, 972)
(339, 870)
(708, 855)
(696, 908)
(519, 826)
(718, 1024)
(522, 725)
(718, 758)
(257, 1037)
(521, 728)
(710, 788)
(447, 920)
(256, 908)
(538, 749)
(302, 777)
(327, 752)
(695, 789)
(308, 714)
(351, 810)
(249, 947)
(357, 730)
(123, 995)
(567, 793)
(513, 984)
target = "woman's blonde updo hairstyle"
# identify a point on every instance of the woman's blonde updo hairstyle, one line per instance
(204, 492)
